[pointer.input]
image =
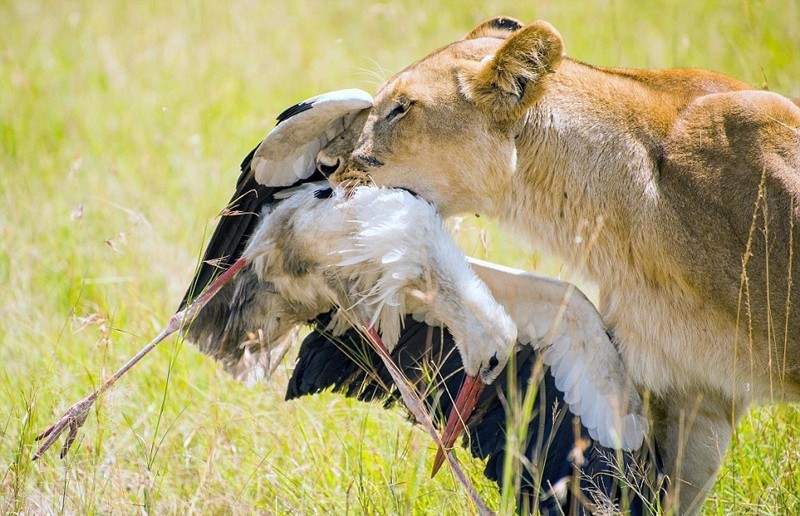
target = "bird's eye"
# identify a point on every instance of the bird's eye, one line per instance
(489, 368)
(398, 111)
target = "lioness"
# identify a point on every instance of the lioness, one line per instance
(681, 188)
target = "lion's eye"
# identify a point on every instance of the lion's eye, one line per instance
(398, 111)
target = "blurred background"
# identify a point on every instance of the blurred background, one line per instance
(122, 125)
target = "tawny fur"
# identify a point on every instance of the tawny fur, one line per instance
(679, 190)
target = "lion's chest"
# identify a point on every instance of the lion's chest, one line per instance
(668, 337)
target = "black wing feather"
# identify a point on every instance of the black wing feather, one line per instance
(237, 222)
(228, 318)
(347, 364)
(294, 110)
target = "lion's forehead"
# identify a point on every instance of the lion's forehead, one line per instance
(464, 50)
(437, 71)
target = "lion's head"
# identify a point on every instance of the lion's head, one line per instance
(445, 126)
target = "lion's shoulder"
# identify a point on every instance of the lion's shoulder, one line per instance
(740, 127)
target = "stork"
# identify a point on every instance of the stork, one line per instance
(550, 315)
(380, 255)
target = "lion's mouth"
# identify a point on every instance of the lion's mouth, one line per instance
(412, 192)
(351, 179)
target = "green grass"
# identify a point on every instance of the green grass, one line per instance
(121, 128)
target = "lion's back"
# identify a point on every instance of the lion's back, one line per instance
(731, 175)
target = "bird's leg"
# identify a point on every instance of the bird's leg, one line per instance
(77, 414)
(417, 408)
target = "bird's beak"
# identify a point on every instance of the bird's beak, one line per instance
(465, 403)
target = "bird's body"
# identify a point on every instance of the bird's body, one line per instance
(371, 258)
(374, 256)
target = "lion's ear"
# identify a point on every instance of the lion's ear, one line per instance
(510, 81)
(498, 27)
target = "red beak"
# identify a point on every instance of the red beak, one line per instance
(465, 403)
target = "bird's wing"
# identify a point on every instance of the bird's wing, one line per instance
(289, 151)
(285, 158)
(552, 448)
(557, 318)
(236, 223)
(237, 310)
(302, 130)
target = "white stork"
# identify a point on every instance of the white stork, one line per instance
(380, 254)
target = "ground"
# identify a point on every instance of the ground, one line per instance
(121, 128)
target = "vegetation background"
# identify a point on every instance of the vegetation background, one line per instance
(122, 125)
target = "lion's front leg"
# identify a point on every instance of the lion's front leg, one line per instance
(693, 431)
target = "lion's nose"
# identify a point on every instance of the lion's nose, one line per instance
(327, 166)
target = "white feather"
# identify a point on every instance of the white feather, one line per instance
(584, 362)
(378, 252)
(289, 151)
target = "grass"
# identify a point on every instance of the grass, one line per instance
(121, 128)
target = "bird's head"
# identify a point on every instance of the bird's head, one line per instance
(485, 337)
